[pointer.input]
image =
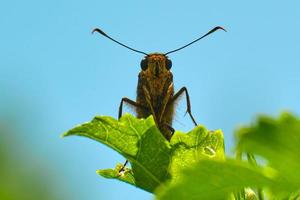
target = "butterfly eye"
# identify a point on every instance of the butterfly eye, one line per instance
(144, 64)
(168, 64)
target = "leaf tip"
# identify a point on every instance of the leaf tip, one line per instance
(99, 172)
(107, 173)
(65, 134)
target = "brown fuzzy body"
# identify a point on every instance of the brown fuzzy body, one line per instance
(154, 93)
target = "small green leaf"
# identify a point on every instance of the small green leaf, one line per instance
(213, 179)
(126, 175)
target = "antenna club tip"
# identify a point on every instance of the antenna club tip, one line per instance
(99, 31)
(94, 30)
(220, 27)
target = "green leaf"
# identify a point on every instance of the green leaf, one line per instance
(213, 179)
(125, 176)
(139, 141)
(278, 141)
(153, 159)
(198, 144)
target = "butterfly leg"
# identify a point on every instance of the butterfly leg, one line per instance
(188, 110)
(129, 102)
(132, 103)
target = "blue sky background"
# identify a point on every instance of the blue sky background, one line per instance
(54, 74)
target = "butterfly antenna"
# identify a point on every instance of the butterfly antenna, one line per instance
(105, 35)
